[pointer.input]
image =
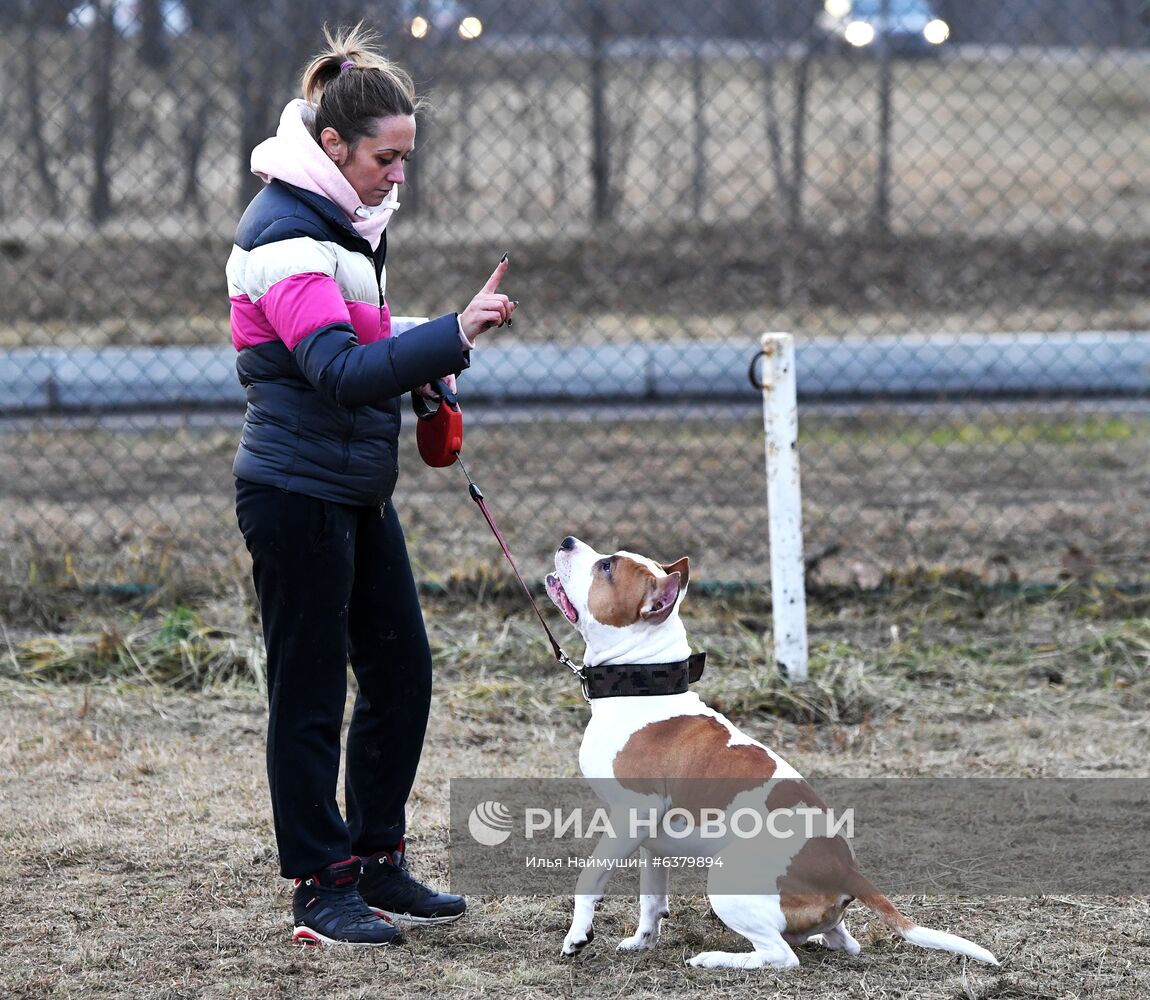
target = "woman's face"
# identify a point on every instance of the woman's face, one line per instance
(374, 165)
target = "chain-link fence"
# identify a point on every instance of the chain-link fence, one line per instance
(948, 204)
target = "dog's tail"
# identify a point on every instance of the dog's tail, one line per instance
(924, 937)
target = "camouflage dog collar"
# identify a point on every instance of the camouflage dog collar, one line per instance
(642, 680)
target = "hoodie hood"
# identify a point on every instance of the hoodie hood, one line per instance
(292, 155)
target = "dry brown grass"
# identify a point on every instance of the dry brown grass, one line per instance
(1002, 497)
(137, 845)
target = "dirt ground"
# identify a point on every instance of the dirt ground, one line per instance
(136, 838)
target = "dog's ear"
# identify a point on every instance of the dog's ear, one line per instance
(683, 568)
(661, 599)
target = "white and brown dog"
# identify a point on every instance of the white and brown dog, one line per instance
(651, 743)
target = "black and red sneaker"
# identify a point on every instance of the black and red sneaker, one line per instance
(328, 909)
(389, 890)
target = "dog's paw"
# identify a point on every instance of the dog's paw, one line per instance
(575, 943)
(710, 960)
(839, 939)
(638, 942)
(744, 960)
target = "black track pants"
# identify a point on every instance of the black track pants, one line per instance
(334, 583)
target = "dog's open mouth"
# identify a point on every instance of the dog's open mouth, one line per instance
(557, 594)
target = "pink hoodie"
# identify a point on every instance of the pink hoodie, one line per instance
(293, 155)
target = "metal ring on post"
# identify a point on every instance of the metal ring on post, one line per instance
(754, 377)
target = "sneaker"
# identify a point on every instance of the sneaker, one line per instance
(391, 892)
(328, 909)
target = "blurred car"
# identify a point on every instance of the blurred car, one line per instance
(440, 20)
(126, 17)
(909, 27)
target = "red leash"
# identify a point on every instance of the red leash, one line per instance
(477, 496)
(440, 439)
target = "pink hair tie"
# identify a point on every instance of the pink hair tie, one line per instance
(345, 66)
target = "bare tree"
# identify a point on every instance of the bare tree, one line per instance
(193, 140)
(789, 171)
(266, 46)
(880, 219)
(155, 48)
(623, 126)
(102, 112)
(699, 103)
(774, 132)
(600, 123)
(255, 95)
(799, 141)
(33, 67)
(612, 131)
(419, 60)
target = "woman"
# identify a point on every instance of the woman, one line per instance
(324, 372)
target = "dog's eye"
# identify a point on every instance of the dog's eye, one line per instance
(605, 566)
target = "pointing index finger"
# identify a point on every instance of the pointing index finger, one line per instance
(497, 275)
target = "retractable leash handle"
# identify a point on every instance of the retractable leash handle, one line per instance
(439, 433)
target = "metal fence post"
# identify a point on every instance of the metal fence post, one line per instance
(784, 504)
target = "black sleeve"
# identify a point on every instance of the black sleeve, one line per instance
(352, 374)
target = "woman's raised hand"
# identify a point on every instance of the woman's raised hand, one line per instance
(490, 308)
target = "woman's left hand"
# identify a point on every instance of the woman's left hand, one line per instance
(431, 390)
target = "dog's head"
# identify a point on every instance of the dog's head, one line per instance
(617, 600)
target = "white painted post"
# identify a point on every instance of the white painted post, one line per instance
(784, 503)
